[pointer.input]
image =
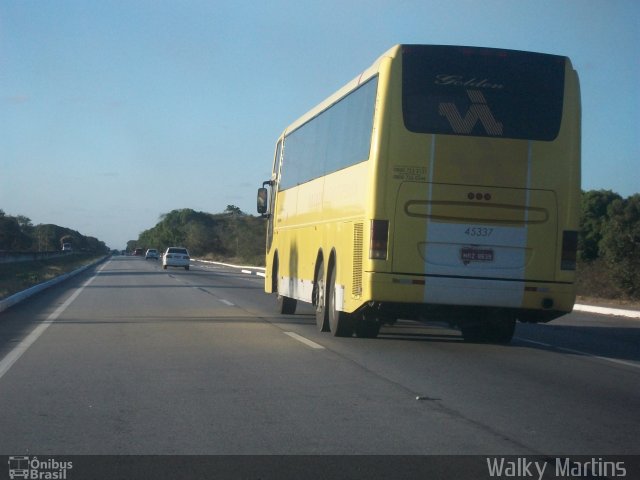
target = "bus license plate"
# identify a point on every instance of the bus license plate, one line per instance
(473, 254)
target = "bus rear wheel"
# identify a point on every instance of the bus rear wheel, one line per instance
(341, 324)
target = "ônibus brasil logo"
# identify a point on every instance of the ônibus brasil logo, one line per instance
(37, 469)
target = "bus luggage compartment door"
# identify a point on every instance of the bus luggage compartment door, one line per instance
(475, 232)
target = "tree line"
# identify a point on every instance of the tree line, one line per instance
(231, 235)
(18, 234)
(609, 244)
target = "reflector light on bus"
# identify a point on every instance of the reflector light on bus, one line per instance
(379, 239)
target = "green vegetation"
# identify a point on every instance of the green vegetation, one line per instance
(229, 236)
(15, 277)
(18, 234)
(609, 246)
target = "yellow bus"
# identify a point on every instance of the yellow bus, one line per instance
(442, 183)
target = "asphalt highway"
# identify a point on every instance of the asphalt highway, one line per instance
(127, 358)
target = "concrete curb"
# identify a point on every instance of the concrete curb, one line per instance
(618, 312)
(248, 269)
(23, 295)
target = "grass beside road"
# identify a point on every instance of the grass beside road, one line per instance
(596, 285)
(15, 277)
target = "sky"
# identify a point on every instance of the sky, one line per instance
(113, 113)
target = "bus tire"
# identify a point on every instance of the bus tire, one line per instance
(286, 305)
(341, 324)
(319, 289)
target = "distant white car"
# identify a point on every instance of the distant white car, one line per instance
(152, 253)
(176, 257)
(66, 247)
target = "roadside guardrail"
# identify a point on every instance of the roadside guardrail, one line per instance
(23, 295)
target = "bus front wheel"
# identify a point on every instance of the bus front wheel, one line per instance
(284, 305)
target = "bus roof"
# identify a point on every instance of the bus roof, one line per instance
(370, 72)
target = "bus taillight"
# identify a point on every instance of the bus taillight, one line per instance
(379, 239)
(569, 250)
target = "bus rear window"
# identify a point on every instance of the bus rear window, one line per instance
(482, 92)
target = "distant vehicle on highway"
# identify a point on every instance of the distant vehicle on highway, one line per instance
(66, 247)
(138, 252)
(176, 257)
(152, 254)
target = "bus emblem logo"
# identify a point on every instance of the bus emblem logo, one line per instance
(479, 110)
(18, 467)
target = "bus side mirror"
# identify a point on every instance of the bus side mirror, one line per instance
(263, 197)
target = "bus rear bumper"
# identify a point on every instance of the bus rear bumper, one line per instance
(419, 295)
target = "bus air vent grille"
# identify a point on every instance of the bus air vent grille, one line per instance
(356, 288)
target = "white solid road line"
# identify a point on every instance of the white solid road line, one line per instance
(578, 352)
(12, 357)
(306, 341)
